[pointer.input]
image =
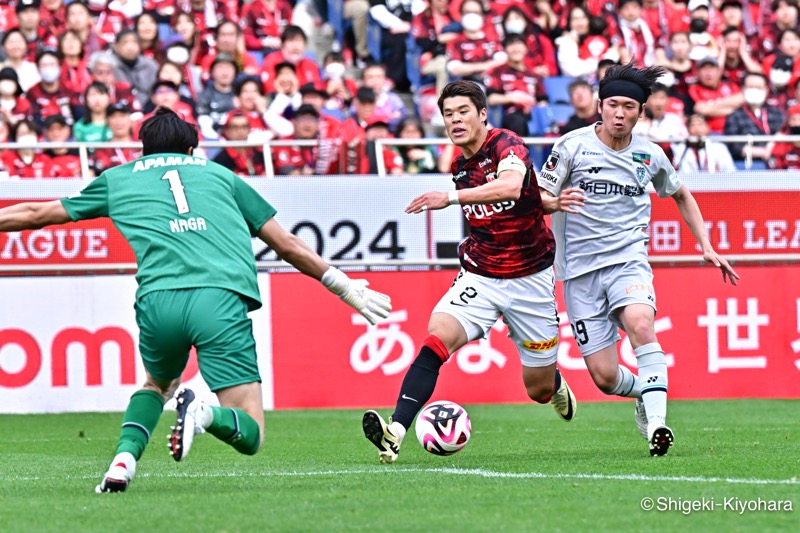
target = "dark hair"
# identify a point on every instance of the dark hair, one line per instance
(81, 4)
(730, 29)
(470, 89)
(334, 56)
(152, 15)
(12, 134)
(512, 38)
(47, 52)
(369, 66)
(461, 8)
(777, 3)
(284, 65)
(757, 75)
(787, 30)
(659, 88)
(676, 33)
(409, 120)
(577, 84)
(518, 11)
(99, 87)
(63, 36)
(644, 78)
(293, 32)
(9, 32)
(223, 22)
(242, 80)
(125, 32)
(167, 133)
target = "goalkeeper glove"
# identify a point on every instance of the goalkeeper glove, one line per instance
(373, 305)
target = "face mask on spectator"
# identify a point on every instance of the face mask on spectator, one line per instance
(8, 88)
(755, 97)
(698, 26)
(28, 140)
(794, 130)
(472, 22)
(50, 74)
(780, 78)
(98, 3)
(8, 105)
(515, 26)
(334, 71)
(178, 55)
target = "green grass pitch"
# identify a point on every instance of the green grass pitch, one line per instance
(523, 470)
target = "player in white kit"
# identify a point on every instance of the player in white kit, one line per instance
(594, 184)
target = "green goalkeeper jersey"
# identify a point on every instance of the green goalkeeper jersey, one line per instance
(188, 220)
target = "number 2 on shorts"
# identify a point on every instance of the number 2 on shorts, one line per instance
(176, 186)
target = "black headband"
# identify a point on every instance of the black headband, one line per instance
(624, 88)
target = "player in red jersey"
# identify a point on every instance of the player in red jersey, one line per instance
(506, 269)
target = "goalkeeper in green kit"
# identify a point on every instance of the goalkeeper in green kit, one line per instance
(190, 222)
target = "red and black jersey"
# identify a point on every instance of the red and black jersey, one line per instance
(39, 167)
(105, 158)
(785, 156)
(508, 239)
(123, 93)
(505, 79)
(55, 22)
(21, 110)
(66, 165)
(43, 39)
(59, 102)
(701, 93)
(472, 50)
(259, 21)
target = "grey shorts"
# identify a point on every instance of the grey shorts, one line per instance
(594, 299)
(527, 305)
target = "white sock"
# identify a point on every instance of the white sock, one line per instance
(128, 460)
(206, 415)
(627, 384)
(653, 381)
(398, 430)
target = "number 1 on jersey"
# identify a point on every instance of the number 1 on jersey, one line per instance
(176, 187)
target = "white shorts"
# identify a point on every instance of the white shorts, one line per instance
(594, 298)
(527, 304)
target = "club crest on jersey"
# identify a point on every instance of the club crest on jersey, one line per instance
(552, 161)
(641, 175)
(641, 158)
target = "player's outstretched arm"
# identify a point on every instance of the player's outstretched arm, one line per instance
(567, 201)
(690, 212)
(507, 187)
(371, 304)
(32, 215)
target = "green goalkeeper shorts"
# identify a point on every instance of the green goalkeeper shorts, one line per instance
(212, 320)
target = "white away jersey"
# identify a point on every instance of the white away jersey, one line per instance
(610, 228)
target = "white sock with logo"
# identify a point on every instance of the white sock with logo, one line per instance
(627, 384)
(398, 431)
(653, 381)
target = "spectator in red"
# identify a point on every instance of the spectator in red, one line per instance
(316, 97)
(27, 162)
(67, 161)
(229, 40)
(681, 72)
(340, 88)
(165, 93)
(583, 45)
(204, 12)
(264, 124)
(29, 21)
(111, 19)
(387, 102)
(163, 9)
(786, 155)
(432, 30)
(703, 43)
(352, 132)
(263, 22)
(186, 28)
(736, 55)
(16, 49)
(146, 27)
(121, 125)
(13, 105)
(319, 159)
(178, 70)
(541, 56)
(581, 96)
(75, 74)
(50, 97)
(473, 54)
(514, 87)
(637, 38)
(755, 117)
(244, 161)
(101, 66)
(8, 16)
(785, 13)
(133, 68)
(420, 159)
(788, 49)
(713, 98)
(731, 15)
(378, 128)
(286, 97)
(293, 49)
(54, 16)
(79, 20)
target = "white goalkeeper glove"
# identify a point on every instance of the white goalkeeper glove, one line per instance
(372, 305)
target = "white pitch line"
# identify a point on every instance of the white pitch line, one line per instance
(450, 471)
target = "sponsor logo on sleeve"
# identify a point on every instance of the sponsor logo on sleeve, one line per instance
(639, 157)
(552, 161)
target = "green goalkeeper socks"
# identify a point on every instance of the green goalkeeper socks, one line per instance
(141, 418)
(237, 428)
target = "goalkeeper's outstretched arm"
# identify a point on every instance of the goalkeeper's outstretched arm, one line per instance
(371, 304)
(32, 215)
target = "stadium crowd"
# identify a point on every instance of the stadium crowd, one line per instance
(258, 70)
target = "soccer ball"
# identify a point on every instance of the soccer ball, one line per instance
(443, 428)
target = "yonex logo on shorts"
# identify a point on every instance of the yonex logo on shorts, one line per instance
(541, 346)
